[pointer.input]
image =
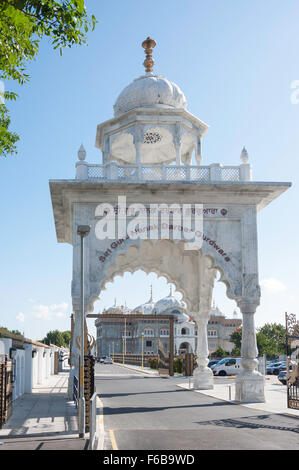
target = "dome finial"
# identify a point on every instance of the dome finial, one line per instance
(244, 155)
(148, 45)
(151, 296)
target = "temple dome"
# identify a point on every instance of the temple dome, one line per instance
(150, 90)
(168, 303)
(146, 308)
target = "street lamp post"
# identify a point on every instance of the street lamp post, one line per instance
(82, 231)
(142, 349)
(123, 350)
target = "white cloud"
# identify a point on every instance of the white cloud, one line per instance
(273, 286)
(21, 317)
(47, 312)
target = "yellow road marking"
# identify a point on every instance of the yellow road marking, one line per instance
(113, 441)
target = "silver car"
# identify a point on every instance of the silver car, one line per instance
(108, 360)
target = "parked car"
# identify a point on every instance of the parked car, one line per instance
(273, 361)
(282, 377)
(108, 360)
(213, 363)
(101, 359)
(272, 367)
(277, 368)
(228, 366)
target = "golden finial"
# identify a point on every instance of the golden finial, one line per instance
(148, 45)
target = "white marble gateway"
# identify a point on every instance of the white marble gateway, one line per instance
(152, 154)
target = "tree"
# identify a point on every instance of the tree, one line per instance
(23, 23)
(4, 330)
(270, 340)
(220, 352)
(236, 338)
(59, 338)
(66, 337)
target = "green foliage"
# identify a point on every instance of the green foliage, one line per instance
(153, 363)
(220, 352)
(59, 338)
(22, 25)
(67, 337)
(270, 340)
(4, 330)
(178, 365)
(8, 139)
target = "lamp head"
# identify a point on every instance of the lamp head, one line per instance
(83, 230)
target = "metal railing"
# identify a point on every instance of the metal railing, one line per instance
(76, 391)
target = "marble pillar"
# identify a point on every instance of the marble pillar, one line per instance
(249, 383)
(203, 376)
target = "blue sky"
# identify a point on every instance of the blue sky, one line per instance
(235, 62)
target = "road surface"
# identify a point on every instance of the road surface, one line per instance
(142, 412)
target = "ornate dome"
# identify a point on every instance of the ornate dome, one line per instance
(151, 126)
(152, 91)
(167, 303)
(147, 308)
(119, 309)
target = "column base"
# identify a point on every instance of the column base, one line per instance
(250, 388)
(203, 379)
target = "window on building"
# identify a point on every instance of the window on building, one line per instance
(164, 332)
(148, 332)
(212, 333)
(185, 331)
(148, 344)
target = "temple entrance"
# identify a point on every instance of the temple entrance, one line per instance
(149, 204)
(185, 348)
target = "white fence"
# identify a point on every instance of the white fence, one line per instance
(113, 171)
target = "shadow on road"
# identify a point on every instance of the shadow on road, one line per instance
(242, 423)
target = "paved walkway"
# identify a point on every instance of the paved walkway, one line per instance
(44, 419)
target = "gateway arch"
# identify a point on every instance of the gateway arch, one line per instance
(151, 156)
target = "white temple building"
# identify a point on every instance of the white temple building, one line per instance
(110, 331)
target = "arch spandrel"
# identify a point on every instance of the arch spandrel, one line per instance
(223, 244)
(163, 257)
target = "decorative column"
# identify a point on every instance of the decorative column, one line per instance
(198, 155)
(250, 383)
(178, 143)
(215, 172)
(245, 168)
(106, 151)
(138, 141)
(203, 376)
(82, 165)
